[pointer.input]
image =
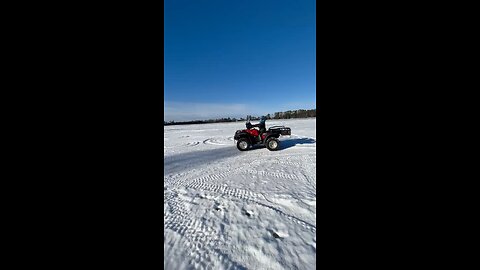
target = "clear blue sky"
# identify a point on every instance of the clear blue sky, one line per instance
(230, 58)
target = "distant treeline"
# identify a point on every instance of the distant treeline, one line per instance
(295, 114)
(220, 120)
(277, 115)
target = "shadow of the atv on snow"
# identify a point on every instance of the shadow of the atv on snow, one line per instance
(185, 161)
(284, 144)
(287, 143)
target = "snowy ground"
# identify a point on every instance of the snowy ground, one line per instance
(226, 209)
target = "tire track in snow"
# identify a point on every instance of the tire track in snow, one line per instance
(249, 197)
(283, 162)
(298, 165)
(223, 189)
(207, 178)
(169, 181)
(214, 141)
(204, 183)
(200, 239)
(239, 171)
(304, 157)
(272, 174)
(193, 143)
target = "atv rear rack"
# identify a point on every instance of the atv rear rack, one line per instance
(282, 129)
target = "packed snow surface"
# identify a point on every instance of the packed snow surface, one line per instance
(227, 209)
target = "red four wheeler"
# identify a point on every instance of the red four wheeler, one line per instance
(249, 137)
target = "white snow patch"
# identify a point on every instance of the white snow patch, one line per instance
(226, 209)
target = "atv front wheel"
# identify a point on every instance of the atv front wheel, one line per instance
(273, 144)
(243, 144)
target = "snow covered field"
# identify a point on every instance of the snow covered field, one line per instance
(226, 209)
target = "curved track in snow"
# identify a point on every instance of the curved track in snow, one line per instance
(239, 210)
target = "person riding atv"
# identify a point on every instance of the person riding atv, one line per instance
(261, 126)
(246, 138)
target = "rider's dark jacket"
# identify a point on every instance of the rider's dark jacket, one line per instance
(261, 125)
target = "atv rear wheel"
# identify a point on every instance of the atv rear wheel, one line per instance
(272, 144)
(243, 144)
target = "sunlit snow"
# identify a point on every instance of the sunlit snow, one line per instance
(227, 209)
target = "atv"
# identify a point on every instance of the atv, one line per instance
(246, 138)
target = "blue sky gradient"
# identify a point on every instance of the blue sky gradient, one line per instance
(232, 58)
